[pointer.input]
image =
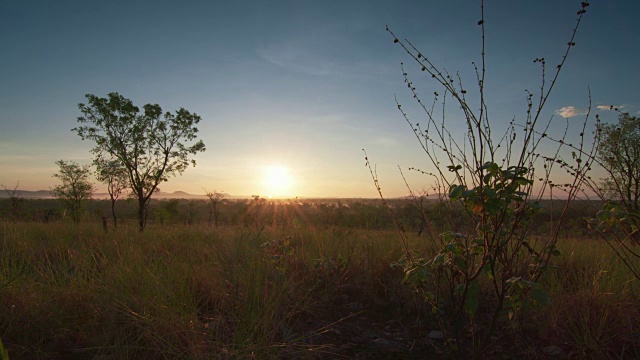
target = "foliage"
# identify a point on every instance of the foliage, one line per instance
(76, 188)
(150, 145)
(618, 223)
(619, 154)
(492, 179)
(619, 227)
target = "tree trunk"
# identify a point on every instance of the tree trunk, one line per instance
(113, 212)
(141, 216)
(215, 215)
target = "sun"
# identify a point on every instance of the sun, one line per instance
(277, 180)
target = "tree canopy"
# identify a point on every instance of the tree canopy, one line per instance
(151, 145)
(75, 187)
(619, 154)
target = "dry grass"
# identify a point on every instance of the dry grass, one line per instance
(232, 292)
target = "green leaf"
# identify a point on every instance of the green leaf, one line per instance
(523, 181)
(455, 192)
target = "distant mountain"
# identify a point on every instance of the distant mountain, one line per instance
(47, 194)
(177, 195)
(39, 194)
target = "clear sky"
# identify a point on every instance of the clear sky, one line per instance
(290, 89)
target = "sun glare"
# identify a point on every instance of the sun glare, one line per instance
(278, 180)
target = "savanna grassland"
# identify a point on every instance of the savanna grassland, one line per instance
(317, 283)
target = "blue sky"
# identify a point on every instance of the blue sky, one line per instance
(303, 85)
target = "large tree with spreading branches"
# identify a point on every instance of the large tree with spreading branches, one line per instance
(151, 145)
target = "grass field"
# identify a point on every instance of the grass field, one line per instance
(199, 292)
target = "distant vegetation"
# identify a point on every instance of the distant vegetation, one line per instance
(368, 214)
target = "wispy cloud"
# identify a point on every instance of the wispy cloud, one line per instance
(330, 50)
(570, 111)
(611, 107)
(296, 58)
(385, 141)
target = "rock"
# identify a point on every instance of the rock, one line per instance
(554, 352)
(435, 335)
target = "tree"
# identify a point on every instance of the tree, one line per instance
(112, 173)
(214, 198)
(150, 145)
(618, 223)
(15, 198)
(619, 154)
(76, 187)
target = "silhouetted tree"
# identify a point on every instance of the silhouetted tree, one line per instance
(150, 145)
(76, 187)
(214, 198)
(15, 198)
(112, 173)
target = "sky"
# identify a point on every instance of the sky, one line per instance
(290, 92)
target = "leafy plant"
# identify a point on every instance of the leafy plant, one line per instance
(498, 182)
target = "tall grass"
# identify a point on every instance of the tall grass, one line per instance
(182, 292)
(231, 292)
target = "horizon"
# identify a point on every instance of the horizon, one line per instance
(289, 93)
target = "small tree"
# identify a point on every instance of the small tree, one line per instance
(150, 145)
(112, 173)
(76, 187)
(214, 198)
(15, 198)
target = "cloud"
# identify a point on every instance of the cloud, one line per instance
(296, 58)
(570, 111)
(385, 141)
(329, 50)
(611, 107)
